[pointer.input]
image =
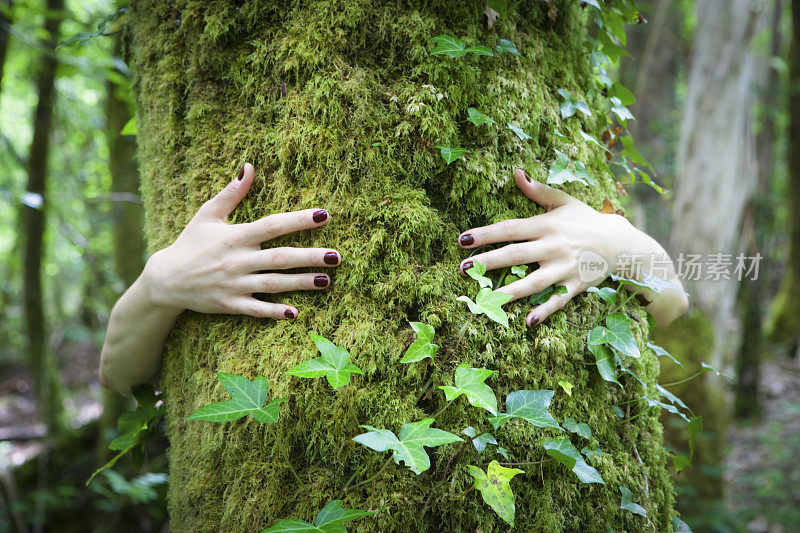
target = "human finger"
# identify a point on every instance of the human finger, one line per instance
(536, 281)
(226, 200)
(513, 229)
(542, 194)
(273, 283)
(273, 226)
(556, 302)
(285, 257)
(510, 255)
(250, 306)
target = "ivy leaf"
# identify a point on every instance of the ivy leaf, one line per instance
(334, 364)
(628, 505)
(520, 270)
(607, 294)
(478, 118)
(617, 334)
(694, 429)
(506, 46)
(671, 408)
(671, 397)
(489, 302)
(479, 441)
(136, 427)
(495, 488)
(581, 429)
(480, 50)
(649, 281)
(567, 386)
(605, 360)
(622, 94)
(570, 105)
(451, 154)
(543, 295)
(448, 45)
(477, 271)
(680, 526)
(592, 3)
(562, 450)
(564, 170)
(660, 352)
(680, 462)
(130, 127)
(470, 382)
(710, 368)
(623, 113)
(520, 133)
(330, 519)
(589, 138)
(408, 448)
(423, 347)
(246, 397)
(529, 405)
(590, 452)
(617, 411)
(503, 452)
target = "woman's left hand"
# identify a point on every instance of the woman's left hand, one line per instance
(555, 240)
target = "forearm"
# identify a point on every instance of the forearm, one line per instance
(135, 338)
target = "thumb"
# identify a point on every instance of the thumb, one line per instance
(542, 194)
(226, 200)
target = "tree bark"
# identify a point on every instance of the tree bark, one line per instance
(46, 378)
(209, 79)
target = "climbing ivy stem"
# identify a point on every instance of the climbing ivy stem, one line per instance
(371, 478)
(682, 380)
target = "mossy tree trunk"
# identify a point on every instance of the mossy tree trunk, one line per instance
(208, 86)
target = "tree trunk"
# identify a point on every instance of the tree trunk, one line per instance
(33, 221)
(5, 33)
(209, 89)
(784, 319)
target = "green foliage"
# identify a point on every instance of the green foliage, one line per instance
(518, 131)
(135, 428)
(334, 364)
(495, 487)
(571, 105)
(661, 352)
(581, 429)
(529, 405)
(607, 294)
(605, 361)
(628, 504)
(543, 295)
(477, 272)
(247, 397)
(450, 154)
(617, 334)
(565, 170)
(130, 127)
(478, 118)
(489, 303)
(139, 490)
(506, 46)
(470, 383)
(479, 440)
(453, 47)
(562, 450)
(567, 386)
(330, 519)
(423, 346)
(408, 447)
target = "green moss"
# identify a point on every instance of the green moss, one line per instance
(357, 72)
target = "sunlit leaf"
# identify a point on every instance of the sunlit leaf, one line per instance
(423, 346)
(607, 294)
(661, 352)
(246, 397)
(494, 486)
(477, 272)
(529, 405)
(710, 368)
(478, 118)
(581, 429)
(334, 364)
(567, 386)
(518, 131)
(479, 440)
(450, 154)
(616, 333)
(470, 382)
(489, 302)
(330, 519)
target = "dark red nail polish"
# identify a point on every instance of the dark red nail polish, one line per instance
(321, 281)
(320, 216)
(526, 176)
(466, 240)
(331, 258)
(466, 266)
(240, 175)
(288, 313)
(534, 321)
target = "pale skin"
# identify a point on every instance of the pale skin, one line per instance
(216, 267)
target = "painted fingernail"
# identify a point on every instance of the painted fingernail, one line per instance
(288, 313)
(466, 240)
(320, 216)
(466, 266)
(331, 258)
(534, 320)
(240, 175)
(321, 281)
(526, 177)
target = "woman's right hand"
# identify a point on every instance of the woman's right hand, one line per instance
(216, 267)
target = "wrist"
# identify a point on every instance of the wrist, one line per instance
(152, 284)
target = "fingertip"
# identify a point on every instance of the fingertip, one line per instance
(466, 240)
(290, 313)
(532, 319)
(520, 177)
(248, 171)
(320, 216)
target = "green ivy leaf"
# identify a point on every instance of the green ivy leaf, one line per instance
(671, 397)
(564, 171)
(479, 441)
(623, 113)
(605, 360)
(617, 411)
(627, 503)
(592, 3)
(660, 352)
(567, 386)
(543, 295)
(617, 334)
(520, 270)
(518, 131)
(489, 302)
(448, 45)
(607, 294)
(694, 429)
(562, 450)
(334, 364)
(470, 382)
(710, 368)
(570, 105)
(622, 94)
(480, 50)
(495, 487)
(680, 462)
(423, 347)
(590, 452)
(581, 429)
(408, 448)
(246, 397)
(451, 154)
(680, 526)
(477, 271)
(506, 46)
(529, 405)
(649, 281)
(478, 118)
(130, 127)
(330, 519)
(670, 408)
(589, 138)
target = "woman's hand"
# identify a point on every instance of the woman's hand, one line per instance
(555, 240)
(215, 267)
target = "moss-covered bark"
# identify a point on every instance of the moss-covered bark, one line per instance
(359, 72)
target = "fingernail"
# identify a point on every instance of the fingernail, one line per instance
(320, 216)
(240, 175)
(466, 266)
(331, 258)
(534, 321)
(321, 281)
(526, 176)
(466, 240)
(288, 313)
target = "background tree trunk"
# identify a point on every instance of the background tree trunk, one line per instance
(209, 92)
(5, 34)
